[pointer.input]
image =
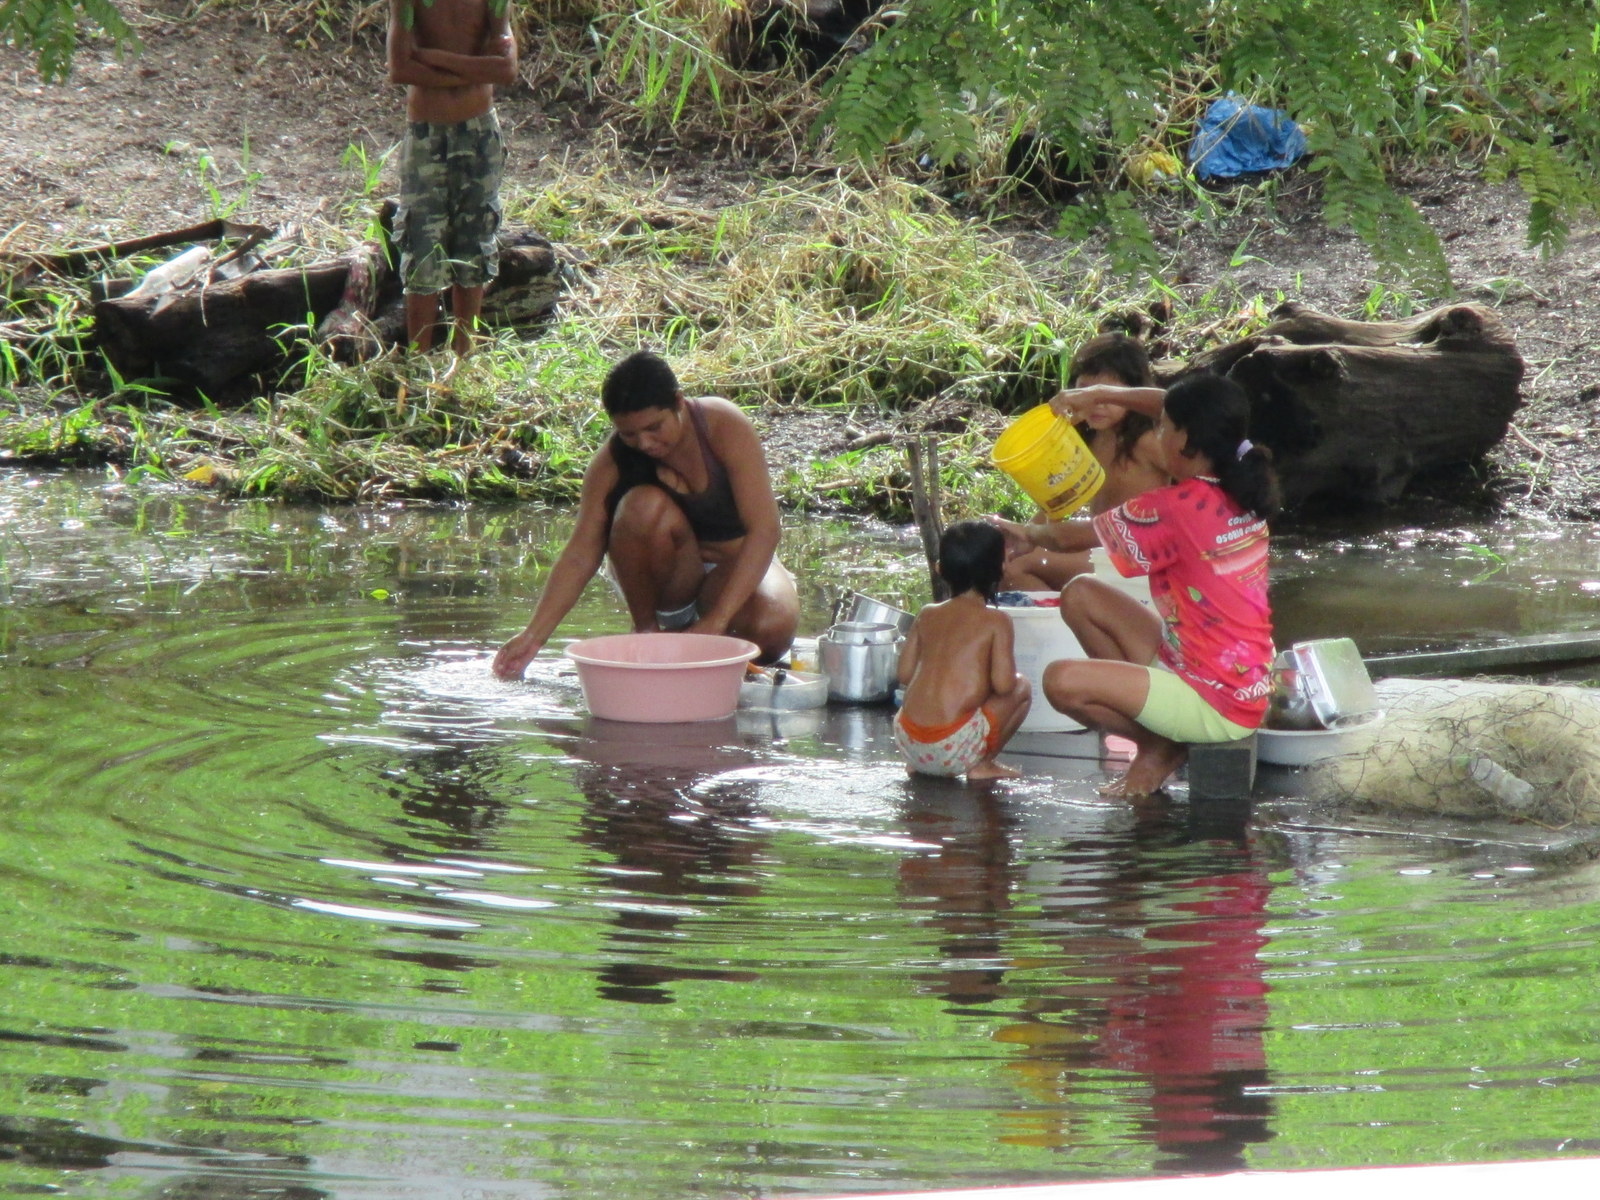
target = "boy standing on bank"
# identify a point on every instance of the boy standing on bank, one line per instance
(964, 696)
(449, 54)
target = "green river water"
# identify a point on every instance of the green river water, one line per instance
(296, 901)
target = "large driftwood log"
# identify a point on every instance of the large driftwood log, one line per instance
(1353, 411)
(530, 282)
(208, 337)
(1452, 327)
(226, 332)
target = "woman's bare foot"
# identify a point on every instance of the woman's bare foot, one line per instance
(1152, 766)
(992, 769)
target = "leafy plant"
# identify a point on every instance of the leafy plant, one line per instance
(1492, 561)
(1511, 80)
(50, 30)
(209, 173)
(368, 167)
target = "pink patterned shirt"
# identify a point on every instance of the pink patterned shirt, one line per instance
(1207, 562)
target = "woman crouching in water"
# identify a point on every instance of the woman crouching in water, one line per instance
(1197, 668)
(680, 500)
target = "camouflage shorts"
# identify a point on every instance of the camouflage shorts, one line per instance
(450, 203)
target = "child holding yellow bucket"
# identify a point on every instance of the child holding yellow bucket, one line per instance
(1196, 668)
(1121, 461)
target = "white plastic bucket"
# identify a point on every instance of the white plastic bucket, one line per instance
(1137, 586)
(1041, 637)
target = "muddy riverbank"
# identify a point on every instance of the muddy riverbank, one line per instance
(219, 111)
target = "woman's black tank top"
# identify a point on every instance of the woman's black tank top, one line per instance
(713, 514)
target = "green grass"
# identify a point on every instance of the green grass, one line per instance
(875, 298)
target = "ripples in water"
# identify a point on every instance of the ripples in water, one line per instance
(300, 900)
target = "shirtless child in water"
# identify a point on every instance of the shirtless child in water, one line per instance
(450, 54)
(964, 698)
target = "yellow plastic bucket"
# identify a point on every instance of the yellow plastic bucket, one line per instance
(1043, 453)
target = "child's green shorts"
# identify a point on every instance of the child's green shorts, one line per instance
(1175, 710)
(449, 213)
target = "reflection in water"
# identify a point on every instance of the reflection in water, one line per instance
(1191, 1023)
(1166, 994)
(445, 788)
(670, 839)
(300, 901)
(964, 883)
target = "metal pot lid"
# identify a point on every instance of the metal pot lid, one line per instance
(862, 633)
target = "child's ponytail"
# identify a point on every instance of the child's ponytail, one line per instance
(1213, 413)
(1251, 480)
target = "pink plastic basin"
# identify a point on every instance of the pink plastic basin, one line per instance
(660, 677)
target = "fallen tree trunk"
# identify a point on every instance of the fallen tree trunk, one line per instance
(530, 281)
(216, 336)
(209, 337)
(1353, 411)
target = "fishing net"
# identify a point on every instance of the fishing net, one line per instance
(1523, 753)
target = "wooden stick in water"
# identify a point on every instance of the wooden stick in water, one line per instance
(923, 507)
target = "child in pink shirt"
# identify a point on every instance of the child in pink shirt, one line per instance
(1195, 669)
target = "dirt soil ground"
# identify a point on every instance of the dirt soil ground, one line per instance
(122, 149)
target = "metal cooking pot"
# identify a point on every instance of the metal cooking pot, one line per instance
(861, 660)
(1289, 706)
(862, 633)
(876, 612)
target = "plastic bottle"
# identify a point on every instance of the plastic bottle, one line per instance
(1511, 790)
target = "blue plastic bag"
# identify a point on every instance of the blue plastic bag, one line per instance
(1238, 139)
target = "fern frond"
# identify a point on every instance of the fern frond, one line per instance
(49, 30)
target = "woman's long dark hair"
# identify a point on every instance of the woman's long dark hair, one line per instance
(1213, 414)
(640, 381)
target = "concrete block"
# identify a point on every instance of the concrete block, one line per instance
(1222, 770)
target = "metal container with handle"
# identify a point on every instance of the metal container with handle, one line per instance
(1319, 684)
(861, 660)
(864, 609)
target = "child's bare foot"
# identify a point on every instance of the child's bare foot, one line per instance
(992, 769)
(1118, 789)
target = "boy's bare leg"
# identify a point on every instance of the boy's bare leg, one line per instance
(1010, 710)
(466, 303)
(422, 314)
(654, 555)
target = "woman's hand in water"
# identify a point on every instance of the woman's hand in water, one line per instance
(515, 655)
